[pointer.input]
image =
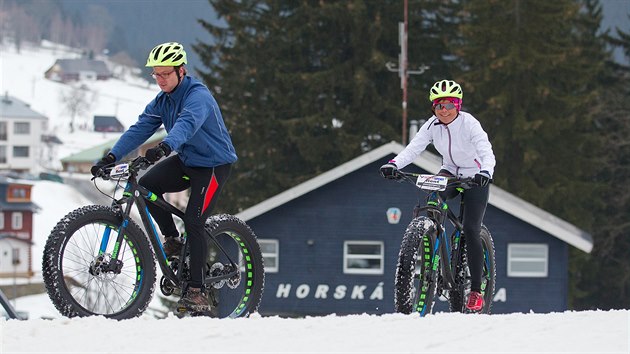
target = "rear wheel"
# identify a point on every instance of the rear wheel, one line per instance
(416, 281)
(81, 276)
(234, 250)
(457, 298)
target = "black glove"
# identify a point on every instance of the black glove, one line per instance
(482, 178)
(390, 171)
(105, 161)
(155, 153)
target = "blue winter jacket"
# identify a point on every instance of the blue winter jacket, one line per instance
(193, 121)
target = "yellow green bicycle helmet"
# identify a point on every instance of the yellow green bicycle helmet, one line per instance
(167, 54)
(445, 88)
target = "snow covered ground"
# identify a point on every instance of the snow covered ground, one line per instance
(568, 332)
(22, 77)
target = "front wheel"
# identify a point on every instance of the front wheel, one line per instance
(416, 276)
(233, 249)
(81, 274)
(457, 298)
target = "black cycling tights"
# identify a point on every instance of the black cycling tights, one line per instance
(475, 202)
(205, 185)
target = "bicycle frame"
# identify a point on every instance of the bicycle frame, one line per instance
(135, 194)
(430, 262)
(438, 211)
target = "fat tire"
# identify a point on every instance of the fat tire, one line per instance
(457, 298)
(79, 233)
(416, 292)
(252, 279)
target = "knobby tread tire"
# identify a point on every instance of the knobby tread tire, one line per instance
(60, 286)
(457, 299)
(255, 272)
(416, 292)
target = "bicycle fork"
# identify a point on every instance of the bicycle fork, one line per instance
(113, 264)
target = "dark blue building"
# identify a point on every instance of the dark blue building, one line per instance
(331, 243)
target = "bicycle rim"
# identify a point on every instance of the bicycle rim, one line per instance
(97, 291)
(239, 295)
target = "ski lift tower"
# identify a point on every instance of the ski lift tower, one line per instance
(403, 71)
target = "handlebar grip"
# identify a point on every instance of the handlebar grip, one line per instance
(103, 174)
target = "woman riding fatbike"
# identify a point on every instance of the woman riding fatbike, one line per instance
(466, 152)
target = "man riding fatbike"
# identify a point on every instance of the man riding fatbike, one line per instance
(197, 132)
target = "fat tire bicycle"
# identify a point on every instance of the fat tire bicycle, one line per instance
(431, 263)
(98, 261)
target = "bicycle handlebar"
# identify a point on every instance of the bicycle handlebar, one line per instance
(127, 168)
(453, 182)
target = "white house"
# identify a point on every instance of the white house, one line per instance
(21, 130)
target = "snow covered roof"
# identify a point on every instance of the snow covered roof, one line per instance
(96, 152)
(499, 198)
(11, 107)
(78, 65)
(91, 154)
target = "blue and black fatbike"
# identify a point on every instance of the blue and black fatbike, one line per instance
(432, 263)
(98, 261)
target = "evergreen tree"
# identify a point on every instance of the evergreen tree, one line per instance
(303, 87)
(433, 31)
(603, 280)
(529, 77)
(534, 73)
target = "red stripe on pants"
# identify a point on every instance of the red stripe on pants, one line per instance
(212, 187)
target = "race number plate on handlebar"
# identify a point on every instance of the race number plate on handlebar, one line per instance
(121, 170)
(432, 182)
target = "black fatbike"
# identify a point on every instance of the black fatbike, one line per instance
(432, 263)
(98, 261)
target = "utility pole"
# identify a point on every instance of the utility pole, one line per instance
(402, 69)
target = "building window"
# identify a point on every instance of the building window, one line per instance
(363, 257)
(18, 193)
(270, 253)
(20, 151)
(3, 154)
(3, 131)
(22, 128)
(1, 220)
(16, 221)
(528, 260)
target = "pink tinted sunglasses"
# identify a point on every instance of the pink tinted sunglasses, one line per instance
(454, 103)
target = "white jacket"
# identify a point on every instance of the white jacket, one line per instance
(463, 144)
